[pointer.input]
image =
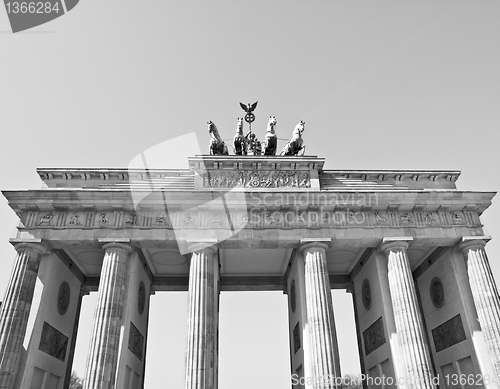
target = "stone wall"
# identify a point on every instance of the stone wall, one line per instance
(47, 349)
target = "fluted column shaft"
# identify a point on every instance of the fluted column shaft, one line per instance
(324, 353)
(102, 360)
(202, 337)
(486, 298)
(16, 308)
(414, 350)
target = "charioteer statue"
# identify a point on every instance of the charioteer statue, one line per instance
(254, 145)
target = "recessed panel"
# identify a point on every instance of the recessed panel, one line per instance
(89, 261)
(340, 261)
(417, 255)
(254, 261)
(167, 262)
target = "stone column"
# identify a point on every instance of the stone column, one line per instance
(102, 360)
(485, 295)
(323, 353)
(15, 309)
(411, 337)
(203, 314)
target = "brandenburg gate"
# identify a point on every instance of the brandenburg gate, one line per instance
(408, 245)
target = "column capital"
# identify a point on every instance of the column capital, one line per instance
(473, 241)
(401, 242)
(118, 245)
(37, 248)
(201, 245)
(84, 291)
(308, 243)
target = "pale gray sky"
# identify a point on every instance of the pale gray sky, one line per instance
(381, 85)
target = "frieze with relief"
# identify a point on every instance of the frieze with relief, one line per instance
(257, 179)
(260, 217)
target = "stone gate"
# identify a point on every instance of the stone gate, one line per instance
(408, 245)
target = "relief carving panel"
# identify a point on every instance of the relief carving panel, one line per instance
(63, 298)
(374, 336)
(296, 338)
(257, 179)
(135, 341)
(449, 333)
(53, 342)
(437, 292)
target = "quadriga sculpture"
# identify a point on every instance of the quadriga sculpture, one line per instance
(239, 141)
(271, 140)
(217, 145)
(295, 145)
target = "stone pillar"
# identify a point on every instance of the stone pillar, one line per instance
(411, 337)
(16, 308)
(203, 315)
(324, 353)
(102, 360)
(485, 295)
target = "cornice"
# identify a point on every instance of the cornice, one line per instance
(53, 199)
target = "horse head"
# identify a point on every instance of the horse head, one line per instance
(299, 129)
(211, 126)
(239, 127)
(271, 124)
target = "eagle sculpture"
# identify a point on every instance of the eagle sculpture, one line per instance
(249, 107)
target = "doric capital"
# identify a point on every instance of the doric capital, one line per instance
(473, 241)
(399, 243)
(125, 248)
(308, 244)
(210, 245)
(31, 248)
(84, 291)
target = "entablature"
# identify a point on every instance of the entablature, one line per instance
(260, 173)
(173, 201)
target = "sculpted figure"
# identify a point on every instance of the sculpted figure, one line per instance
(239, 141)
(271, 140)
(295, 145)
(217, 145)
(254, 145)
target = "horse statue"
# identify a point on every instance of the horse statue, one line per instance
(295, 145)
(239, 141)
(271, 140)
(217, 145)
